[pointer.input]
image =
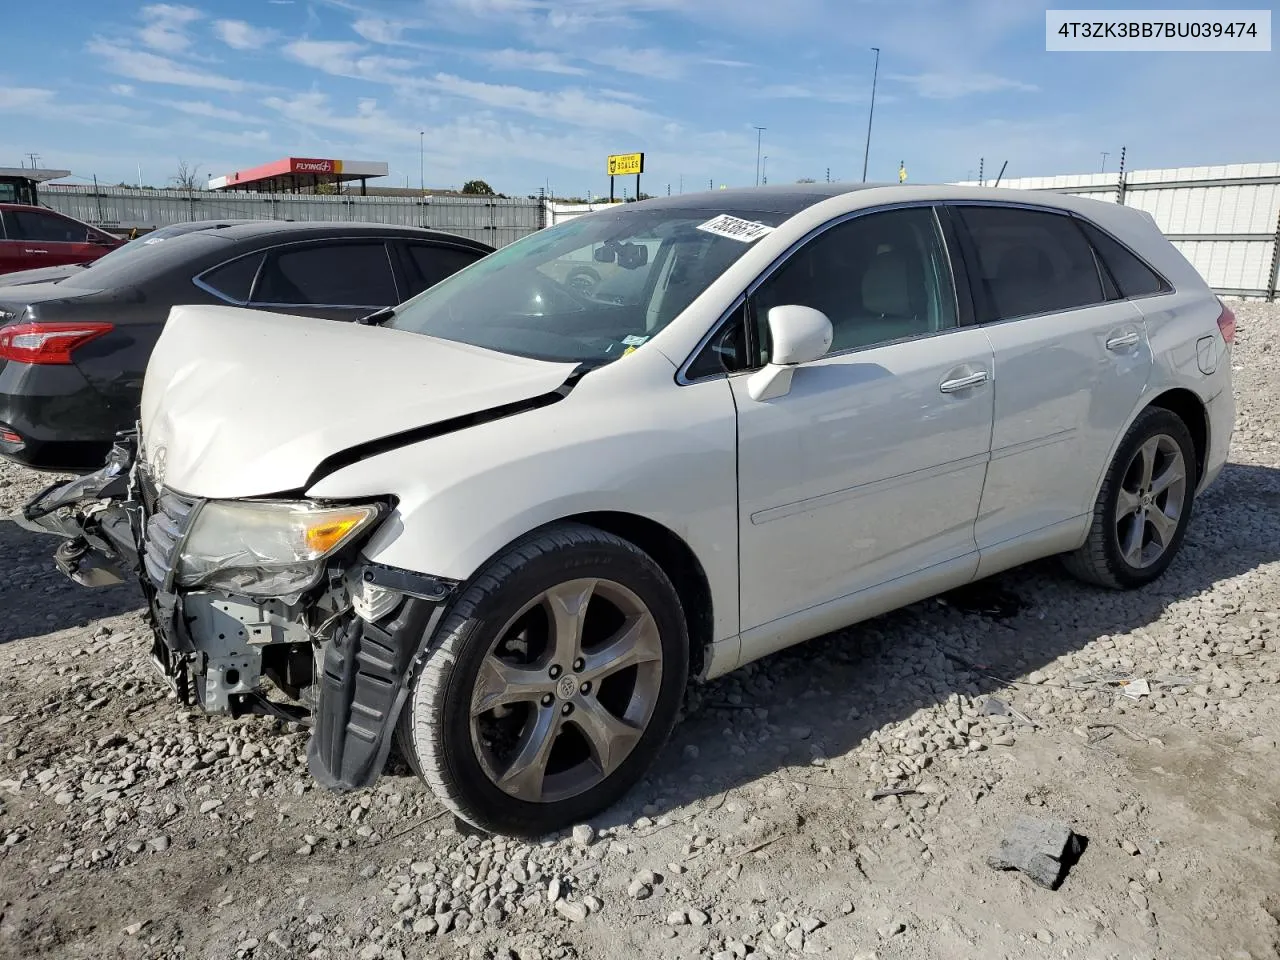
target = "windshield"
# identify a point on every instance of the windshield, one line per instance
(590, 289)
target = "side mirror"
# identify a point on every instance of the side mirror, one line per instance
(800, 335)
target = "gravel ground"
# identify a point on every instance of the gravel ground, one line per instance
(130, 828)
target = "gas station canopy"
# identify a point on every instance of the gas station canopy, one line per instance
(296, 174)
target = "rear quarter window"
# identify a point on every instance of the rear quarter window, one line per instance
(233, 280)
(1133, 278)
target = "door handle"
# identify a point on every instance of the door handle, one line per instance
(29, 250)
(1124, 340)
(963, 383)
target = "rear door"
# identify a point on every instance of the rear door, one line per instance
(1071, 362)
(425, 264)
(47, 239)
(333, 279)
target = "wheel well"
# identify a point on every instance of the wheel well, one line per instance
(680, 565)
(1188, 408)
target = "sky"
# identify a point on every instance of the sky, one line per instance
(531, 93)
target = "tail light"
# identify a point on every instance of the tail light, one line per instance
(1227, 323)
(47, 343)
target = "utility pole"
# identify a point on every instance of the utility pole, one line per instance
(682, 183)
(866, 155)
(1104, 160)
(35, 158)
(759, 134)
(764, 171)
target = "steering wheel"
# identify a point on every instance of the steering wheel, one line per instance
(582, 279)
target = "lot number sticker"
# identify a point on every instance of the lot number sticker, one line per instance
(744, 231)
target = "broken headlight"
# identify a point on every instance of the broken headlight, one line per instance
(266, 549)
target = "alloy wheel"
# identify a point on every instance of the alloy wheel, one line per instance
(566, 691)
(1151, 501)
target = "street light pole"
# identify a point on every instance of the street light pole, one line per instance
(1105, 154)
(422, 179)
(764, 171)
(866, 156)
(759, 133)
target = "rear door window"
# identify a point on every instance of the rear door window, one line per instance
(1133, 278)
(348, 274)
(432, 262)
(1029, 262)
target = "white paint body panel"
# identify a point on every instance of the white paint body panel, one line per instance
(862, 489)
(248, 403)
(1059, 402)
(864, 472)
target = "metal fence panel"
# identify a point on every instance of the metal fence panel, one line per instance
(493, 220)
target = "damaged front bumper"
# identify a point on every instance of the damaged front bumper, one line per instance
(344, 652)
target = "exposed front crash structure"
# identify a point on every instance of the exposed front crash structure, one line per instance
(338, 635)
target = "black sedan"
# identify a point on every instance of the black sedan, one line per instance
(64, 270)
(73, 353)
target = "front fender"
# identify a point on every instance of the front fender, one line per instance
(667, 455)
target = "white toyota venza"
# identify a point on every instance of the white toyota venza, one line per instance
(508, 521)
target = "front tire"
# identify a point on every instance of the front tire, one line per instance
(552, 683)
(1144, 506)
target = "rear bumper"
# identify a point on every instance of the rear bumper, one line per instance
(1222, 421)
(60, 421)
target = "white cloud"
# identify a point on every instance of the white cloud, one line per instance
(240, 35)
(578, 107)
(165, 26)
(346, 58)
(833, 93)
(24, 99)
(650, 62)
(123, 89)
(202, 108)
(378, 30)
(950, 86)
(542, 61)
(152, 68)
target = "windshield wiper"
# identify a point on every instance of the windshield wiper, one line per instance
(377, 318)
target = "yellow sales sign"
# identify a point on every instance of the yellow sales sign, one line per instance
(624, 164)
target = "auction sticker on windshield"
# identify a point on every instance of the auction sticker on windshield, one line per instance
(735, 228)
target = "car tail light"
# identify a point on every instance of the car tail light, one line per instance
(47, 343)
(1227, 324)
(8, 436)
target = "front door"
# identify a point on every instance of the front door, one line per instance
(47, 239)
(871, 467)
(1070, 367)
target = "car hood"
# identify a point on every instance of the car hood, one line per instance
(241, 403)
(39, 275)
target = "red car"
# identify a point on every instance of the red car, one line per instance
(32, 237)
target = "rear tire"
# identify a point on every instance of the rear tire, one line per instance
(552, 684)
(1144, 506)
